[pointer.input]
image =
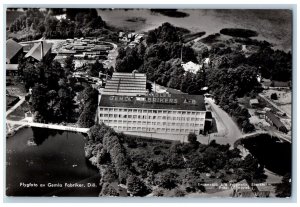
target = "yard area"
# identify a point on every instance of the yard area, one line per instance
(56, 44)
(284, 98)
(19, 113)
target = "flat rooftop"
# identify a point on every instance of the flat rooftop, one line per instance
(156, 101)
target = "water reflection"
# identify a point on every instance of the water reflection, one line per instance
(41, 134)
(58, 158)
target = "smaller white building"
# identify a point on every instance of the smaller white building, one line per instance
(191, 67)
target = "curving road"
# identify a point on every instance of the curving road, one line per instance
(230, 130)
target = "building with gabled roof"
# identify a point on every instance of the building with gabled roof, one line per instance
(13, 50)
(39, 51)
(275, 121)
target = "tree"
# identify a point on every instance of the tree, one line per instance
(30, 75)
(284, 189)
(167, 180)
(89, 100)
(135, 186)
(274, 96)
(39, 100)
(151, 38)
(97, 132)
(69, 64)
(95, 68)
(192, 137)
(109, 190)
(179, 193)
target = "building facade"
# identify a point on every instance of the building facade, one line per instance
(157, 113)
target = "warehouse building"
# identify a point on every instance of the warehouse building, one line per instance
(275, 121)
(137, 111)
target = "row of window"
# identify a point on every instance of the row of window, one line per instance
(150, 117)
(119, 122)
(151, 111)
(162, 130)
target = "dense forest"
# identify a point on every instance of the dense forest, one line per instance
(162, 167)
(228, 75)
(35, 23)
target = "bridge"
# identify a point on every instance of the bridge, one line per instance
(10, 123)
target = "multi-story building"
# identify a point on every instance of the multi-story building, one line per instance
(156, 113)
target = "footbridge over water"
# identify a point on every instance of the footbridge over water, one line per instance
(10, 124)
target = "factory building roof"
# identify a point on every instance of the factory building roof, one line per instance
(126, 84)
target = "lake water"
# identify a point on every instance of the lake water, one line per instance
(274, 26)
(58, 158)
(276, 156)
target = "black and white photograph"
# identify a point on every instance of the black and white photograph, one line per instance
(148, 102)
